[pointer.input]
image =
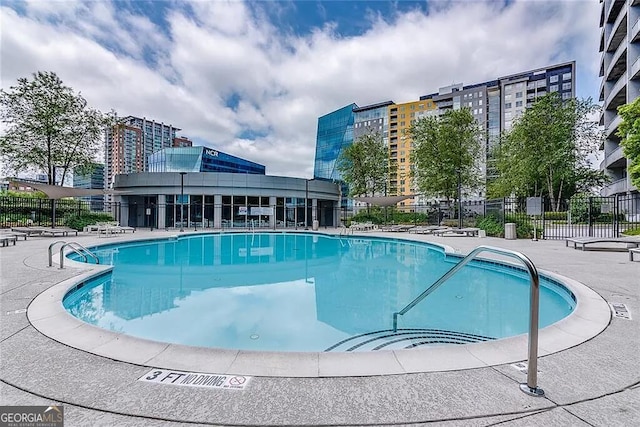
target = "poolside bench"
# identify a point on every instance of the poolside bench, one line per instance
(5, 239)
(633, 251)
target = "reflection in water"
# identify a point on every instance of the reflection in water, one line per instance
(295, 292)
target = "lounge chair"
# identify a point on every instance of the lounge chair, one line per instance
(427, 229)
(30, 231)
(397, 228)
(465, 231)
(584, 241)
(59, 231)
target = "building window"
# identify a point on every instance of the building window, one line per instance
(508, 87)
(540, 83)
(553, 79)
(566, 76)
(553, 88)
(479, 110)
(566, 95)
(518, 94)
(507, 105)
(480, 102)
(566, 86)
(507, 97)
(518, 104)
(519, 85)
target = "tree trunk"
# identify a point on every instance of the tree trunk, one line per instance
(550, 189)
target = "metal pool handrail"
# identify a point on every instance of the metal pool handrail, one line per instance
(75, 247)
(530, 387)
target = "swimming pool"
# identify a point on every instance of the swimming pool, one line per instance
(305, 292)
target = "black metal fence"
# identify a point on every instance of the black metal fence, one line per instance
(17, 211)
(580, 216)
(593, 216)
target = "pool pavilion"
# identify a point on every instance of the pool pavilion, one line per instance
(225, 200)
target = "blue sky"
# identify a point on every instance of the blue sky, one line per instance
(251, 78)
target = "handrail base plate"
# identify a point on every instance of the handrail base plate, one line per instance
(536, 392)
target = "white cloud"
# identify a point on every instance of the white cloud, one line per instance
(284, 82)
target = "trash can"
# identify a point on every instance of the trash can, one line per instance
(315, 225)
(510, 231)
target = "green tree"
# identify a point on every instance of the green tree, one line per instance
(546, 152)
(629, 131)
(446, 154)
(365, 166)
(48, 127)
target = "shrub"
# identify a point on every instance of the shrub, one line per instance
(495, 228)
(79, 222)
(491, 224)
(524, 227)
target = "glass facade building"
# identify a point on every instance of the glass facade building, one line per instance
(93, 180)
(200, 159)
(335, 132)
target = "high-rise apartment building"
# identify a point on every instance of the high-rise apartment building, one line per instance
(132, 140)
(620, 72)
(401, 117)
(495, 104)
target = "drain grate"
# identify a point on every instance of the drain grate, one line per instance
(620, 310)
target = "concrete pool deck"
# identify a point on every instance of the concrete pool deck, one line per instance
(593, 383)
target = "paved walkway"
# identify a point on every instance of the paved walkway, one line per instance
(594, 383)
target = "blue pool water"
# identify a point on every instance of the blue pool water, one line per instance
(305, 292)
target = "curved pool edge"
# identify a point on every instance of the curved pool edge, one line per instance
(47, 314)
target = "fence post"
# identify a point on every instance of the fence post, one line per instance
(589, 219)
(616, 219)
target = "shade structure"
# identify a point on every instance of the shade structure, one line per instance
(383, 200)
(58, 192)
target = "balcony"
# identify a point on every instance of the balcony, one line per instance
(615, 159)
(618, 94)
(615, 187)
(618, 64)
(614, 10)
(635, 31)
(618, 33)
(612, 127)
(634, 71)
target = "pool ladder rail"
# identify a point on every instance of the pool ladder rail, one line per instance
(75, 247)
(404, 338)
(530, 387)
